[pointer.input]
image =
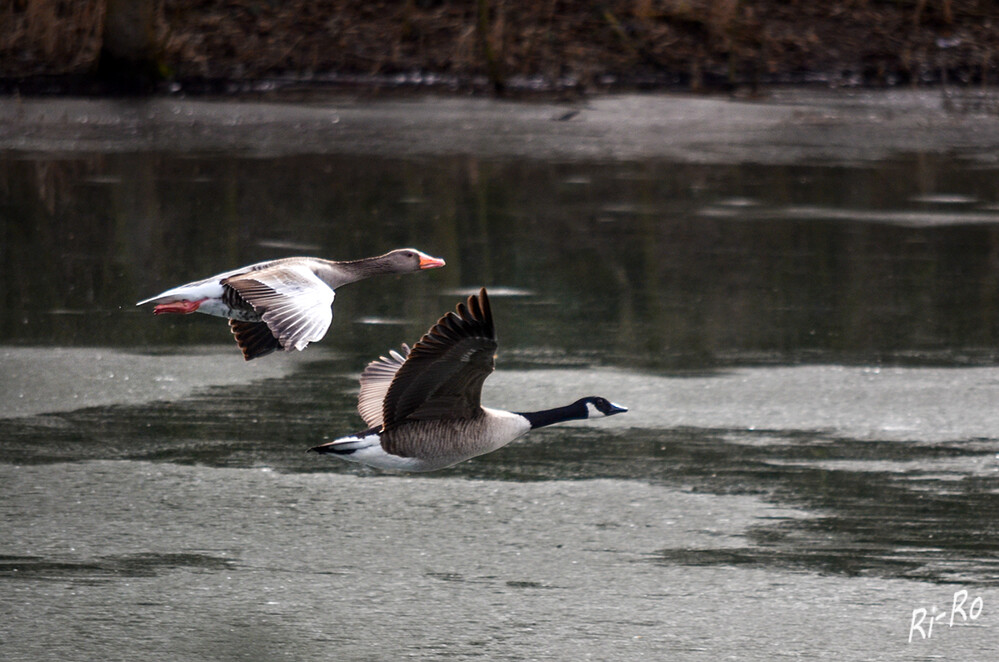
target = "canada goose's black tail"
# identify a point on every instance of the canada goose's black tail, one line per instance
(348, 445)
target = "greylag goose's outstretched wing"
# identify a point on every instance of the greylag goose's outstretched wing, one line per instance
(294, 303)
(443, 374)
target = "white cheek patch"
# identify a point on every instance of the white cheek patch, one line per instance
(592, 411)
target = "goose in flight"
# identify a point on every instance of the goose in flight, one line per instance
(282, 304)
(422, 406)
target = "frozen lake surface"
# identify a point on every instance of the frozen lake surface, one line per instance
(797, 306)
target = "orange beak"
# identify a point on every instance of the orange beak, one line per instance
(427, 262)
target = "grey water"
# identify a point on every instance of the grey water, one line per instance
(808, 350)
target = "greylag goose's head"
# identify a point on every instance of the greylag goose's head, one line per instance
(404, 260)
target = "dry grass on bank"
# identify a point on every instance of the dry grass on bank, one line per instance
(49, 36)
(877, 40)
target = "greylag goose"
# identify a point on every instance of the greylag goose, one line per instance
(282, 304)
(422, 405)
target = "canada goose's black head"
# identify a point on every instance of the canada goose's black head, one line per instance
(597, 407)
(404, 260)
(591, 407)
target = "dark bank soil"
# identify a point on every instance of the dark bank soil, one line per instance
(535, 44)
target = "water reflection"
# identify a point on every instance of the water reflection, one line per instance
(664, 265)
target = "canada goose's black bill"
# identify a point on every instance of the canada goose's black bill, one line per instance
(611, 408)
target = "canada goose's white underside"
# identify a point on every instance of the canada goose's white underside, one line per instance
(496, 429)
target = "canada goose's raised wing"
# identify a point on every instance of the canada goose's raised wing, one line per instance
(375, 382)
(442, 377)
(294, 303)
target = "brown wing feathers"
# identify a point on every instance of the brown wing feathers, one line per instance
(443, 375)
(254, 338)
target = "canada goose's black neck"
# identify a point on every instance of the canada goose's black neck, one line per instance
(539, 419)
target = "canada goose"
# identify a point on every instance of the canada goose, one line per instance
(422, 405)
(282, 304)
